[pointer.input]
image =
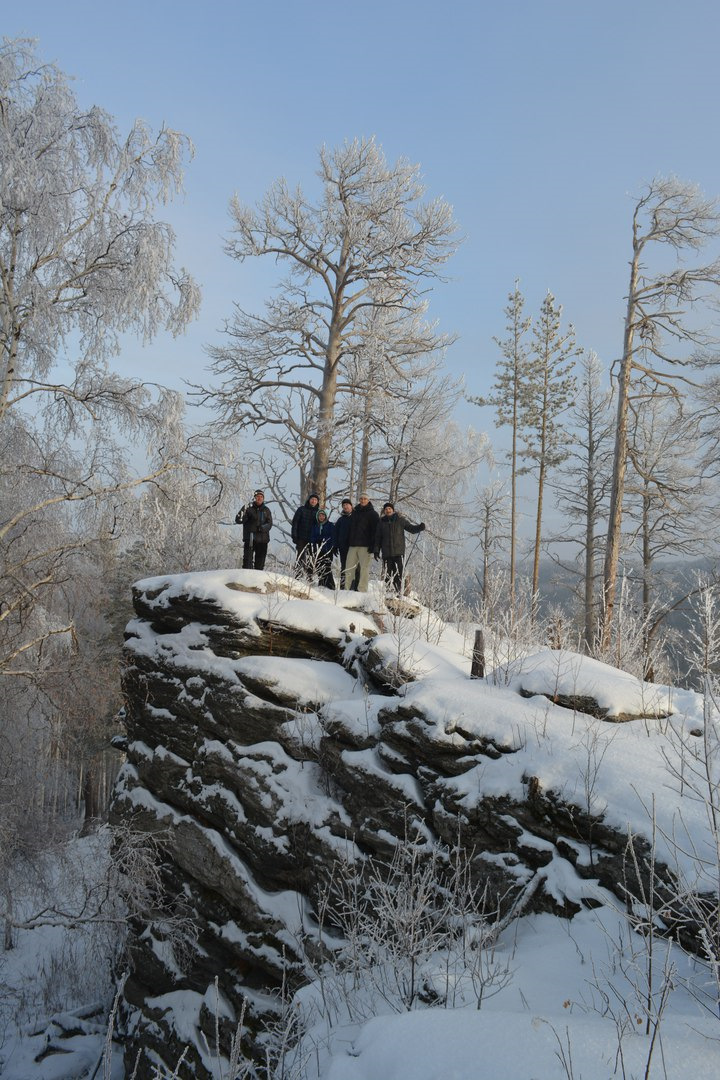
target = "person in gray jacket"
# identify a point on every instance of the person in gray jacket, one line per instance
(390, 543)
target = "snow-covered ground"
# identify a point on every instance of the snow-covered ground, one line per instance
(568, 1011)
(56, 982)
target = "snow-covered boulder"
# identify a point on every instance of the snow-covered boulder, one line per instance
(589, 686)
(276, 731)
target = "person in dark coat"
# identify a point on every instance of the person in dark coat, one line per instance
(300, 530)
(390, 543)
(256, 521)
(361, 543)
(322, 543)
(342, 533)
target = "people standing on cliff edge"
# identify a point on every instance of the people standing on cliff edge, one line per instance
(256, 521)
(390, 542)
(361, 543)
(300, 532)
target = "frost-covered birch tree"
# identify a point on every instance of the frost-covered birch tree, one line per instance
(390, 374)
(82, 257)
(668, 509)
(369, 243)
(403, 443)
(581, 486)
(83, 261)
(178, 519)
(663, 332)
(490, 527)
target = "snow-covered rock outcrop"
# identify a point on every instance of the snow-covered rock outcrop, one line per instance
(275, 731)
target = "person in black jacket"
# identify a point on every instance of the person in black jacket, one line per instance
(322, 543)
(390, 542)
(256, 521)
(342, 533)
(301, 531)
(361, 543)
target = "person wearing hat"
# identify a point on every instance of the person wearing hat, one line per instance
(390, 542)
(322, 542)
(256, 521)
(361, 540)
(301, 530)
(342, 532)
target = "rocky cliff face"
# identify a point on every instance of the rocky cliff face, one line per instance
(274, 730)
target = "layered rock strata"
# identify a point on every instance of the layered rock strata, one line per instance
(274, 730)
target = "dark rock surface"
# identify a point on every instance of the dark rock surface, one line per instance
(255, 797)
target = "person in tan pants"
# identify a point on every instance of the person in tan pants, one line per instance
(361, 543)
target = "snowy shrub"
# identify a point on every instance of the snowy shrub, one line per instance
(416, 929)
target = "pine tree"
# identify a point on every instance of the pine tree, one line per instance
(509, 399)
(550, 392)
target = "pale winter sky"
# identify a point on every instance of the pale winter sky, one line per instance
(537, 119)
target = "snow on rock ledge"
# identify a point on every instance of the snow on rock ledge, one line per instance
(275, 729)
(580, 682)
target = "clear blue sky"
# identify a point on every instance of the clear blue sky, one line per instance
(537, 119)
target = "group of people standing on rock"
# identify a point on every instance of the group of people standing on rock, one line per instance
(358, 535)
